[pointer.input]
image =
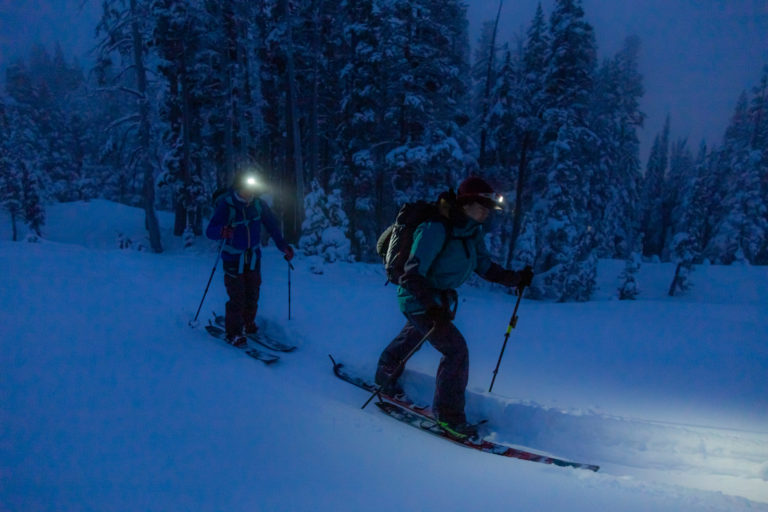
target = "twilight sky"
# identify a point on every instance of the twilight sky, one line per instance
(696, 55)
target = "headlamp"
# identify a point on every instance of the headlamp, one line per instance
(249, 182)
(492, 200)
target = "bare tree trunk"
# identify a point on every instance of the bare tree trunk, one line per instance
(758, 115)
(14, 228)
(144, 164)
(229, 114)
(488, 81)
(190, 207)
(294, 157)
(673, 285)
(519, 213)
(244, 97)
(314, 144)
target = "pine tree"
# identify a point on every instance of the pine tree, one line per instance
(566, 259)
(484, 73)
(693, 213)
(525, 248)
(615, 118)
(10, 176)
(187, 69)
(515, 124)
(653, 188)
(362, 130)
(22, 180)
(45, 92)
(430, 50)
(742, 231)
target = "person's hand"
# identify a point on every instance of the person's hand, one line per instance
(288, 251)
(227, 232)
(526, 277)
(438, 314)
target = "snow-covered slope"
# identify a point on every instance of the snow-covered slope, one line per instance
(110, 401)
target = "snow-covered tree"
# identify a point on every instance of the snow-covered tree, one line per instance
(430, 64)
(325, 226)
(615, 118)
(45, 90)
(742, 231)
(629, 287)
(565, 232)
(525, 248)
(484, 72)
(186, 66)
(10, 172)
(652, 198)
(683, 253)
(362, 131)
(22, 180)
(677, 193)
(125, 31)
(527, 105)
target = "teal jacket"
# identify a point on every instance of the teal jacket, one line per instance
(437, 265)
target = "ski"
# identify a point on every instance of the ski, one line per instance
(262, 356)
(260, 338)
(421, 418)
(433, 427)
(340, 372)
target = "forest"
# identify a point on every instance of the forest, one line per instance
(349, 109)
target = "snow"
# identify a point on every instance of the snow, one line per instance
(110, 401)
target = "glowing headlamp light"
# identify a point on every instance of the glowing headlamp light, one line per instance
(492, 200)
(250, 182)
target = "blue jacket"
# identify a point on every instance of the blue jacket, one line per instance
(246, 219)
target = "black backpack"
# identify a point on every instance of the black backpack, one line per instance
(394, 244)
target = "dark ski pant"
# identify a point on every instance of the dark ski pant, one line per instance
(452, 374)
(243, 291)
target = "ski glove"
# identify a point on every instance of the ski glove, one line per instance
(288, 251)
(526, 277)
(227, 232)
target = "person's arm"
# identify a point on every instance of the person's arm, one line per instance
(484, 262)
(270, 223)
(428, 239)
(492, 271)
(218, 221)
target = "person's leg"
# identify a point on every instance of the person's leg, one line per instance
(252, 283)
(452, 373)
(391, 357)
(235, 307)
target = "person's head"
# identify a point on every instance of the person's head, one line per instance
(247, 184)
(476, 198)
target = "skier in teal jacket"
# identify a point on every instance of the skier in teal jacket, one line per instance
(444, 254)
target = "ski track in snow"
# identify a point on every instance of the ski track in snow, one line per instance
(102, 375)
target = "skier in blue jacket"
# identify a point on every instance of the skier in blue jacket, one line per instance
(238, 218)
(444, 254)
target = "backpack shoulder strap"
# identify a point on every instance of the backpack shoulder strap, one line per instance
(231, 207)
(448, 233)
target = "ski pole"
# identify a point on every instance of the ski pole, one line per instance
(193, 323)
(512, 324)
(391, 378)
(290, 267)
